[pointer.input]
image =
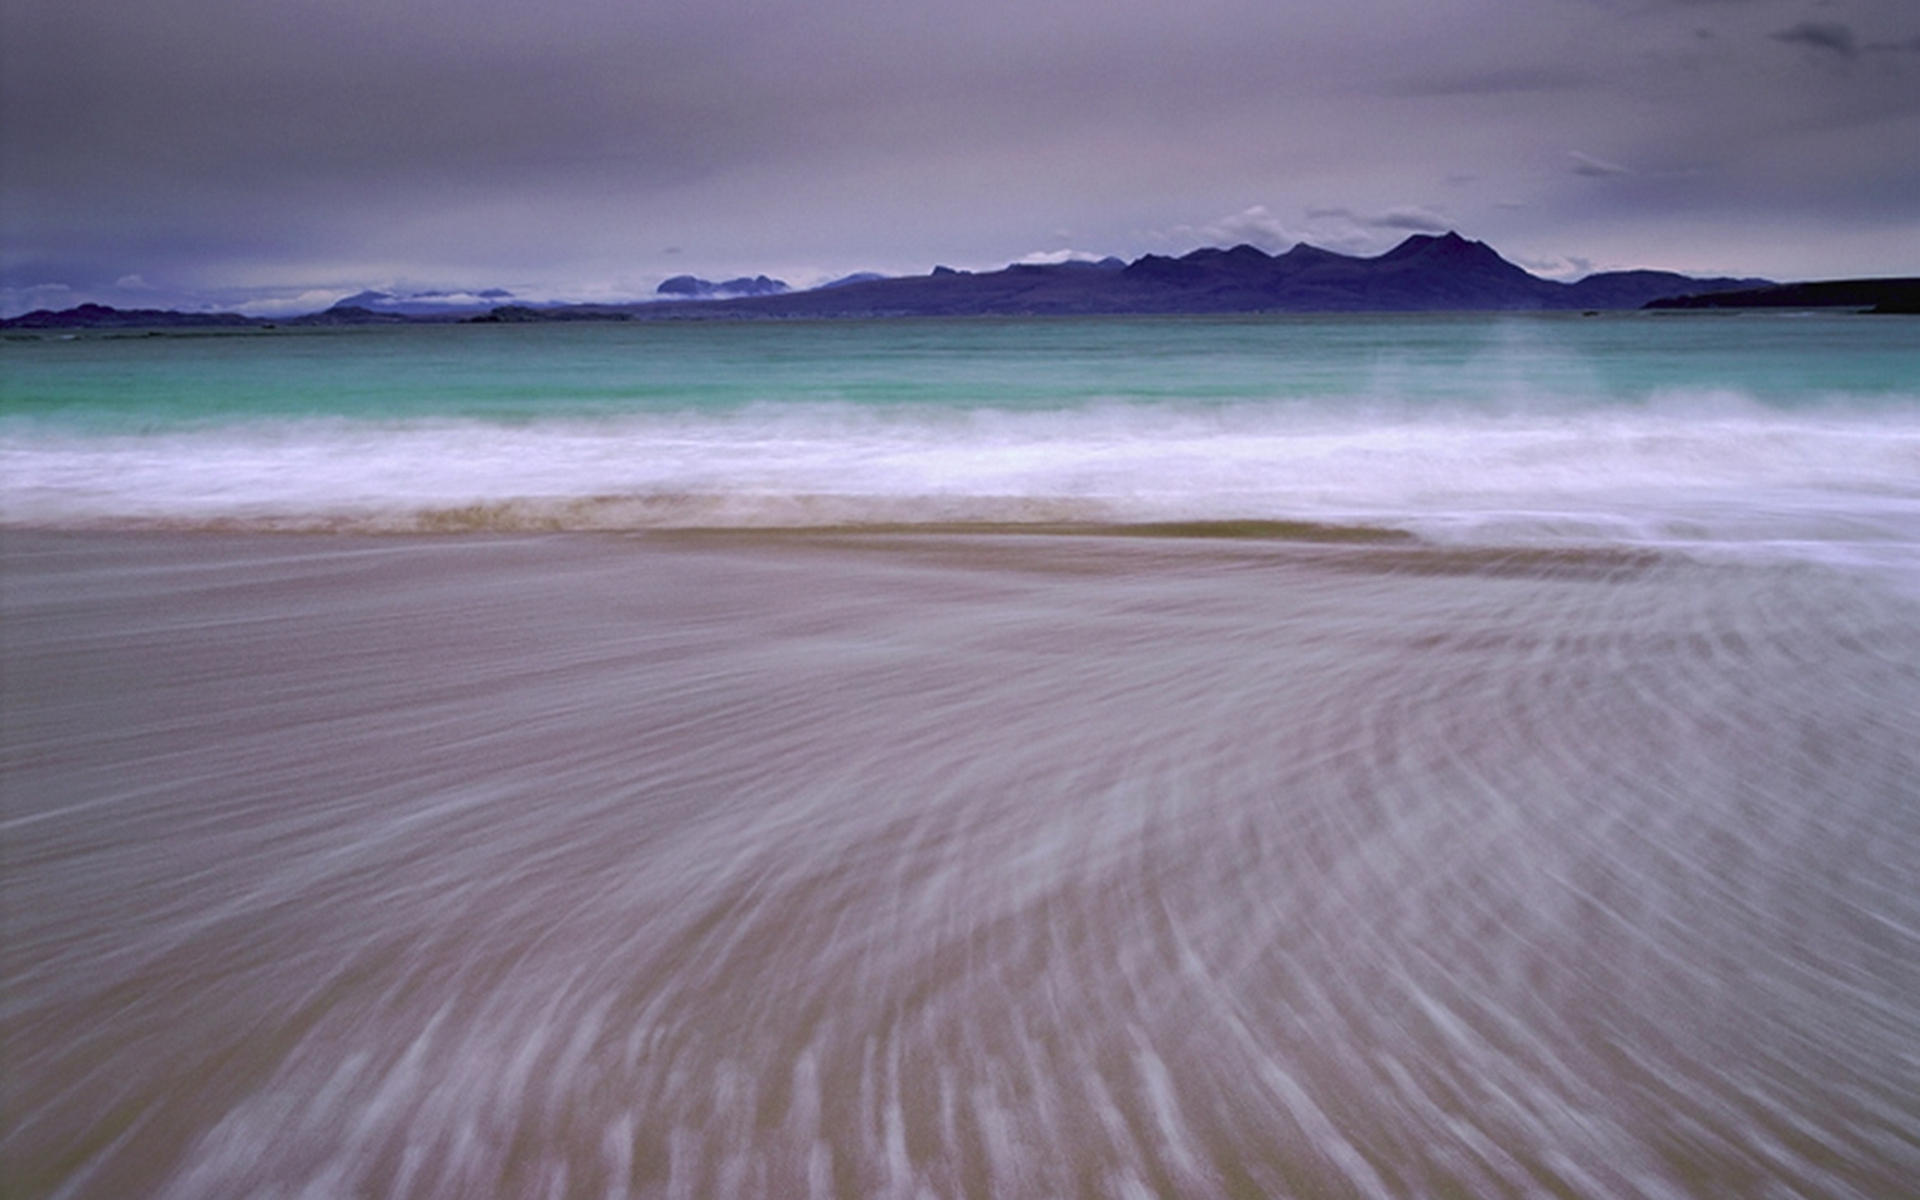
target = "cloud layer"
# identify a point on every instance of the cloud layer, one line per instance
(251, 151)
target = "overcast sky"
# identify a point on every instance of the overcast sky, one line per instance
(279, 154)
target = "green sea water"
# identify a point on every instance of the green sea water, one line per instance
(1770, 428)
(557, 370)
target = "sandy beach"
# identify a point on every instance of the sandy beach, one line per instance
(778, 865)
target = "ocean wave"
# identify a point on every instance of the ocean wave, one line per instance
(1666, 474)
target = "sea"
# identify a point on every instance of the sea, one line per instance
(1437, 755)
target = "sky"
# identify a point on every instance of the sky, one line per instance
(273, 156)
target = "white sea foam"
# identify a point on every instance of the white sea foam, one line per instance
(1705, 469)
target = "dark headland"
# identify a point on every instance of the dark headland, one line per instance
(1424, 273)
(1869, 295)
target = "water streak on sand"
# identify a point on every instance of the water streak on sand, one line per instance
(963, 865)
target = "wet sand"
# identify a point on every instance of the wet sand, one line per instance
(970, 864)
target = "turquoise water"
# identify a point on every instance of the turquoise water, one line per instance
(1774, 430)
(529, 373)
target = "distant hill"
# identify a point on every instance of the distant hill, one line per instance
(692, 288)
(101, 316)
(354, 314)
(425, 304)
(856, 277)
(1872, 295)
(1424, 273)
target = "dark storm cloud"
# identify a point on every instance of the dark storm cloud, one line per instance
(221, 145)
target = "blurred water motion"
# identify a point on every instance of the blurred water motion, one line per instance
(954, 866)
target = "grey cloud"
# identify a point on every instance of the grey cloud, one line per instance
(218, 94)
(1340, 228)
(1412, 220)
(1822, 35)
(1254, 226)
(238, 95)
(1586, 164)
(225, 144)
(1497, 82)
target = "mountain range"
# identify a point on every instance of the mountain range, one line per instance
(1424, 273)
